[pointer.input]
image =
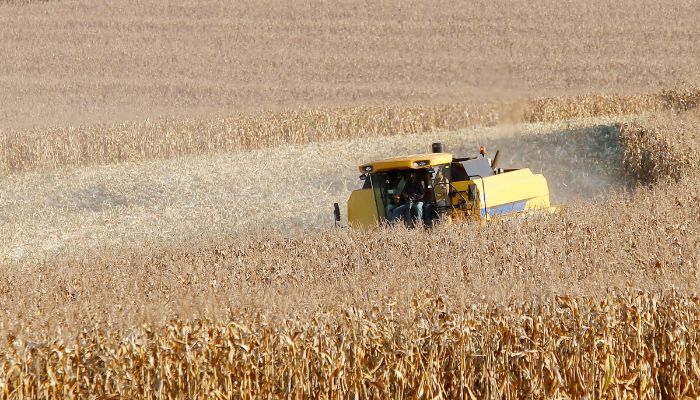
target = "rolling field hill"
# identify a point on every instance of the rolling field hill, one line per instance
(80, 62)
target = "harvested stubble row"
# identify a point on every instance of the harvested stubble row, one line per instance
(628, 345)
(87, 145)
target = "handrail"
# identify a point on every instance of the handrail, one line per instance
(483, 191)
(459, 192)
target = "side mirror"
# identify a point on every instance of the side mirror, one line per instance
(471, 192)
(336, 212)
(363, 177)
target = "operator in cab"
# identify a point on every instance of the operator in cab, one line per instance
(411, 205)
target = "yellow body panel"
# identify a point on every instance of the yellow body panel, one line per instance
(507, 193)
(407, 162)
(362, 208)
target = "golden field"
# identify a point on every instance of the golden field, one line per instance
(72, 63)
(168, 171)
(630, 345)
(598, 300)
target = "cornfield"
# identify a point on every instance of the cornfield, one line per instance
(554, 306)
(621, 345)
(162, 164)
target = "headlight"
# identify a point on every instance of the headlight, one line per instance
(367, 168)
(420, 163)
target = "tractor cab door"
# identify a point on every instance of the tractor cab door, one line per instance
(387, 185)
(437, 199)
(464, 193)
(441, 176)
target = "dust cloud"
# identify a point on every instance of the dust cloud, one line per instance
(581, 163)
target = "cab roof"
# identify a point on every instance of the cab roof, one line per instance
(413, 161)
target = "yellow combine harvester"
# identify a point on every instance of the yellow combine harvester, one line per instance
(425, 187)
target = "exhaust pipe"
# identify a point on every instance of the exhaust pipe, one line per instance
(438, 147)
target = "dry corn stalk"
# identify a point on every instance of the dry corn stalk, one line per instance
(627, 345)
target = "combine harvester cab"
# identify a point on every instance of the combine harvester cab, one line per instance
(470, 188)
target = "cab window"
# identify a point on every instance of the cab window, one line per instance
(458, 172)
